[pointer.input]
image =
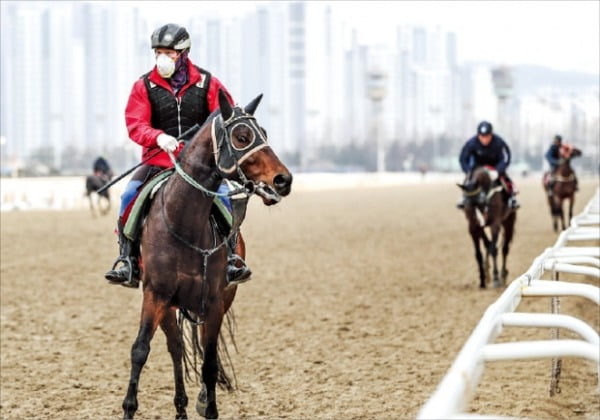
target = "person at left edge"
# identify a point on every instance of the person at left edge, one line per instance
(164, 103)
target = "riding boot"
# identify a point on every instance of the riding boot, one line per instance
(237, 270)
(128, 274)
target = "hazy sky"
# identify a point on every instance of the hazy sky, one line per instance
(561, 34)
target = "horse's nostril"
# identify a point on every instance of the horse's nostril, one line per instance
(282, 181)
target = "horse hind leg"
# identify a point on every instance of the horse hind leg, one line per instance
(151, 315)
(571, 204)
(92, 208)
(509, 229)
(175, 347)
(104, 208)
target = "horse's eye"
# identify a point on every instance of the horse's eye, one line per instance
(243, 136)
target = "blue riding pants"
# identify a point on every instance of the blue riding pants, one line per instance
(223, 189)
(130, 192)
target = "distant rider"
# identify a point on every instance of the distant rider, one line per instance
(487, 148)
(102, 169)
(553, 156)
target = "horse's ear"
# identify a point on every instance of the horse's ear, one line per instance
(225, 106)
(251, 107)
(461, 186)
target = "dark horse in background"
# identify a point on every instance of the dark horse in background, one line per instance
(183, 255)
(99, 201)
(561, 185)
(487, 207)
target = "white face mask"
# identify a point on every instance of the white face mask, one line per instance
(165, 65)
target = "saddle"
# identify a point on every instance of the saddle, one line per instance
(134, 215)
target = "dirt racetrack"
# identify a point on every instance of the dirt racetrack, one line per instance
(359, 303)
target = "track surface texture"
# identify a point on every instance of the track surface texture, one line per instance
(360, 301)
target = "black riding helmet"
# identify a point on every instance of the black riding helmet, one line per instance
(171, 36)
(485, 128)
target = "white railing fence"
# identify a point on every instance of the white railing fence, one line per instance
(451, 396)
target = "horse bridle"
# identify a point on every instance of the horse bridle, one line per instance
(481, 197)
(228, 158)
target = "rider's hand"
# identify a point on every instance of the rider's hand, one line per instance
(167, 143)
(493, 174)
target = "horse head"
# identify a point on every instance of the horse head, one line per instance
(242, 152)
(567, 152)
(478, 184)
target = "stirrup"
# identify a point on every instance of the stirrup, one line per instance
(132, 280)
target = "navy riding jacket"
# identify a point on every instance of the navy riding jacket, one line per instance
(553, 156)
(496, 154)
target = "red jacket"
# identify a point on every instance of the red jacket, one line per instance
(138, 112)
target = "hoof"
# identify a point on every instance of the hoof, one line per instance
(201, 401)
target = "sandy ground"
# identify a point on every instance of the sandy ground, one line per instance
(359, 303)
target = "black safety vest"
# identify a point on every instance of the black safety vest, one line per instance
(175, 115)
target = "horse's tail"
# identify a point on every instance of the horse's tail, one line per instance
(193, 353)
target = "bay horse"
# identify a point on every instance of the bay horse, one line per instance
(486, 205)
(100, 200)
(183, 256)
(561, 186)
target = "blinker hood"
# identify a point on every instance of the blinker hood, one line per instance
(227, 157)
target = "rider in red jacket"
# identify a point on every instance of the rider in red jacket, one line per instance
(164, 103)
(138, 113)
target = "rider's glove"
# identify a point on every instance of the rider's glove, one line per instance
(167, 143)
(493, 174)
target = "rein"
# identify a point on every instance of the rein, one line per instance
(248, 188)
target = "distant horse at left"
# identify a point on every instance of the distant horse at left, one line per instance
(99, 201)
(101, 176)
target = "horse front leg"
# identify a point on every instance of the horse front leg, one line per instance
(207, 399)
(152, 312)
(476, 236)
(175, 347)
